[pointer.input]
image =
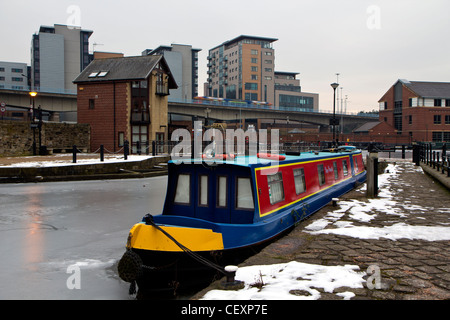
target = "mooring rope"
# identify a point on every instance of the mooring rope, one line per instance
(148, 218)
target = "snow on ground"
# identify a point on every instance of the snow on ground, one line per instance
(295, 280)
(57, 161)
(290, 281)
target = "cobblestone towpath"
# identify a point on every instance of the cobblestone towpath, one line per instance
(398, 242)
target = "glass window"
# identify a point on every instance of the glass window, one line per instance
(253, 51)
(437, 119)
(321, 174)
(222, 191)
(336, 175)
(276, 191)
(182, 193)
(356, 164)
(345, 167)
(203, 190)
(299, 179)
(244, 195)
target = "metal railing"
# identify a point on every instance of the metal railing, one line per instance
(433, 157)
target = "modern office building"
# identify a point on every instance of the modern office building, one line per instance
(289, 95)
(243, 68)
(58, 55)
(418, 109)
(13, 75)
(183, 63)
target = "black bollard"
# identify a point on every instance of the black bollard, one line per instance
(102, 153)
(126, 149)
(74, 154)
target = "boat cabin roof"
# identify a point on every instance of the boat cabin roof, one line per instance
(258, 161)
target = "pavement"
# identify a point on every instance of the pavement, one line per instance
(399, 268)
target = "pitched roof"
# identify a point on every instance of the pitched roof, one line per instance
(436, 90)
(123, 68)
(426, 89)
(366, 126)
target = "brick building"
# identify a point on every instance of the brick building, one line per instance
(418, 110)
(125, 99)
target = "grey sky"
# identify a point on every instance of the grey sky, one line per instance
(371, 43)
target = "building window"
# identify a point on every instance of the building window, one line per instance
(321, 173)
(437, 102)
(254, 60)
(15, 70)
(268, 61)
(447, 119)
(91, 104)
(276, 191)
(254, 77)
(437, 119)
(268, 53)
(244, 195)
(410, 120)
(251, 86)
(2, 69)
(254, 52)
(254, 68)
(121, 139)
(268, 69)
(299, 180)
(17, 79)
(447, 102)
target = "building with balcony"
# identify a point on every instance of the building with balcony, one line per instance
(125, 99)
(243, 68)
(418, 109)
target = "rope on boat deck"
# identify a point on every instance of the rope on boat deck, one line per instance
(148, 218)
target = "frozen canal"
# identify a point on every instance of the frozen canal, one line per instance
(62, 240)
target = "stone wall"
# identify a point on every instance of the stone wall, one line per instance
(16, 137)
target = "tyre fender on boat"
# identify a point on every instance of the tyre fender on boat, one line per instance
(130, 266)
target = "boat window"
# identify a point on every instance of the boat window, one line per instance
(299, 179)
(336, 175)
(276, 191)
(222, 191)
(345, 167)
(182, 193)
(244, 197)
(356, 164)
(321, 174)
(203, 190)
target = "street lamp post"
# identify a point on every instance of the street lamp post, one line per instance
(334, 86)
(33, 95)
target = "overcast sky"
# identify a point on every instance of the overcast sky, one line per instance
(371, 43)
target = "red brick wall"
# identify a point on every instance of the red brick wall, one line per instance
(101, 118)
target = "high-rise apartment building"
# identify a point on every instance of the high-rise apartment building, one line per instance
(58, 55)
(244, 69)
(183, 63)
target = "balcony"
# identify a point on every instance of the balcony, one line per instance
(162, 88)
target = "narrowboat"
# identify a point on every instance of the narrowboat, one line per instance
(217, 208)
